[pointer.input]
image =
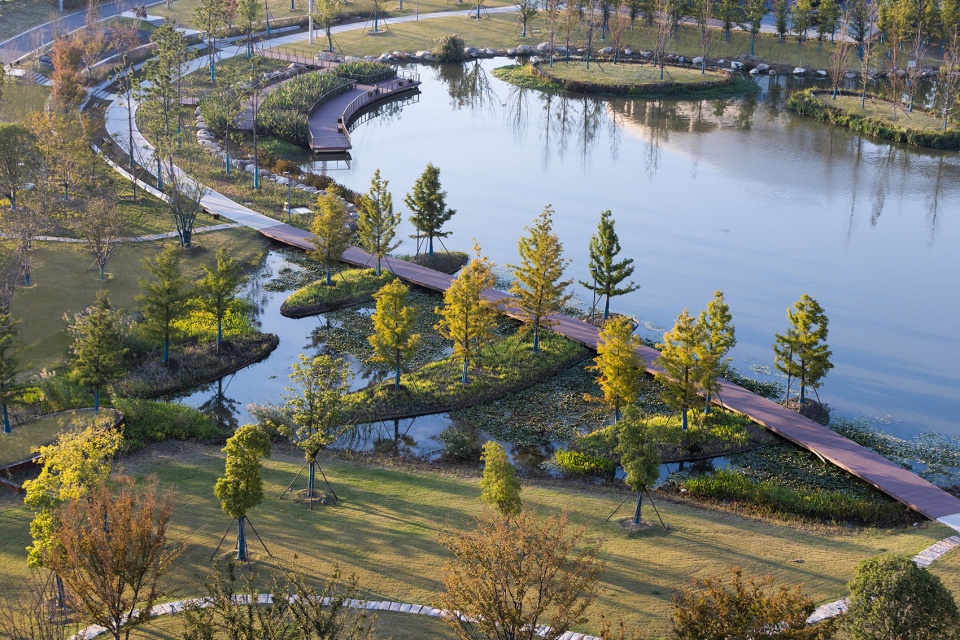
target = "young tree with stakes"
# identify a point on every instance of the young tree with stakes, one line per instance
(19, 159)
(637, 444)
(538, 288)
(241, 487)
(606, 273)
(8, 364)
(512, 578)
(802, 351)
(210, 17)
(313, 409)
(376, 222)
(331, 235)
(162, 299)
(753, 12)
(526, 11)
(393, 339)
(466, 318)
(115, 552)
(183, 196)
(681, 364)
(97, 351)
(326, 12)
(499, 487)
(618, 364)
(217, 289)
(781, 18)
(249, 13)
(428, 207)
(840, 56)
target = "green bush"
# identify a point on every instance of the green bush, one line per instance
(148, 421)
(577, 463)
(806, 103)
(350, 287)
(772, 499)
(460, 444)
(450, 48)
(57, 393)
(365, 71)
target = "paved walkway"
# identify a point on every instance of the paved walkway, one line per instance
(149, 238)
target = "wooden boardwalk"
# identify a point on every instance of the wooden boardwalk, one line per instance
(890, 478)
(330, 123)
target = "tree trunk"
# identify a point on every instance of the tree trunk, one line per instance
(6, 418)
(166, 350)
(311, 480)
(396, 379)
(219, 331)
(636, 513)
(606, 308)
(96, 403)
(465, 379)
(241, 539)
(536, 337)
(430, 250)
(684, 420)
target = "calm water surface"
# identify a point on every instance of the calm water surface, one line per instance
(735, 195)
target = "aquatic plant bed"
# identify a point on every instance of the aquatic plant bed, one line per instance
(507, 366)
(632, 79)
(349, 287)
(195, 364)
(918, 128)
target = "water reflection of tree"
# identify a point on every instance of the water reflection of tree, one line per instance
(517, 110)
(222, 408)
(469, 86)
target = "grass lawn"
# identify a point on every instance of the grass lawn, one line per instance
(198, 83)
(388, 625)
(350, 286)
(23, 439)
(20, 99)
(16, 16)
(355, 9)
(882, 110)
(618, 74)
(501, 32)
(65, 280)
(385, 531)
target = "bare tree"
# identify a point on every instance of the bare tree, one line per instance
(949, 78)
(869, 19)
(27, 610)
(24, 225)
(915, 67)
(101, 228)
(663, 34)
(840, 56)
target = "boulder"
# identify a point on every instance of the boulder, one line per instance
(489, 53)
(762, 67)
(283, 181)
(241, 165)
(423, 55)
(249, 168)
(850, 75)
(821, 73)
(196, 112)
(524, 50)
(646, 55)
(799, 71)
(682, 60)
(543, 47)
(773, 72)
(697, 61)
(606, 51)
(628, 52)
(721, 62)
(736, 66)
(754, 72)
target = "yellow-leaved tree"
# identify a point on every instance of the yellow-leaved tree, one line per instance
(393, 339)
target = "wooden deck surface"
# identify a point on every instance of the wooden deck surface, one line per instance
(888, 477)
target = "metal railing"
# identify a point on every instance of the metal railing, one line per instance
(285, 55)
(376, 93)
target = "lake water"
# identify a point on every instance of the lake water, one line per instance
(736, 195)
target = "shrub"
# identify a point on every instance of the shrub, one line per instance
(769, 498)
(806, 103)
(450, 48)
(577, 463)
(148, 421)
(460, 443)
(365, 71)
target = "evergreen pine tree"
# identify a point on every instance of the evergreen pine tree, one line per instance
(618, 364)
(241, 487)
(393, 339)
(428, 206)
(377, 223)
(331, 235)
(499, 486)
(217, 289)
(637, 444)
(606, 273)
(802, 351)
(538, 289)
(466, 318)
(680, 362)
(162, 299)
(97, 349)
(719, 338)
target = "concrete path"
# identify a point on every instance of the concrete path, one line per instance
(149, 238)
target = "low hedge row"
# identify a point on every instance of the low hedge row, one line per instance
(365, 71)
(807, 103)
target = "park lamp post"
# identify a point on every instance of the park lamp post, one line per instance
(286, 174)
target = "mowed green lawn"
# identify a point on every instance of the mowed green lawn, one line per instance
(617, 74)
(883, 110)
(65, 280)
(385, 531)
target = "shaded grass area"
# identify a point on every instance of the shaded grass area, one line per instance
(388, 625)
(65, 280)
(616, 74)
(349, 287)
(20, 99)
(882, 110)
(24, 438)
(385, 530)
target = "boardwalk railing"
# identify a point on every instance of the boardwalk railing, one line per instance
(376, 93)
(287, 55)
(315, 142)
